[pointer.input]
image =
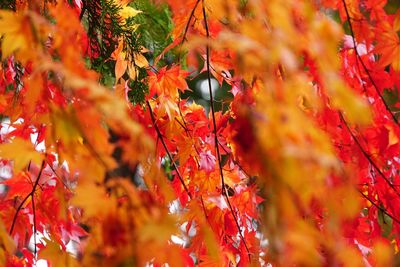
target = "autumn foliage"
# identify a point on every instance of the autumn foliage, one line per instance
(109, 159)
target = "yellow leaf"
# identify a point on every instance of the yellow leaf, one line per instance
(21, 152)
(8, 22)
(383, 254)
(355, 109)
(55, 256)
(93, 199)
(66, 127)
(128, 12)
(158, 231)
(120, 66)
(140, 61)
(393, 138)
(106, 103)
(132, 72)
(15, 32)
(7, 245)
(35, 86)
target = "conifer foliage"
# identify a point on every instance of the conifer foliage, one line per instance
(109, 157)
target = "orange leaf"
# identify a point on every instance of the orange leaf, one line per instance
(21, 152)
(389, 49)
(168, 81)
(120, 66)
(93, 199)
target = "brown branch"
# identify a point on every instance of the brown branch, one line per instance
(167, 151)
(59, 178)
(31, 194)
(224, 189)
(212, 103)
(188, 134)
(188, 22)
(204, 208)
(380, 208)
(367, 156)
(358, 57)
(236, 163)
(34, 224)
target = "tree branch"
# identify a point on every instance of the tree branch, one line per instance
(367, 156)
(358, 57)
(224, 189)
(31, 194)
(167, 151)
(381, 209)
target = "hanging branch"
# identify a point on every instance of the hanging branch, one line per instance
(380, 208)
(34, 223)
(159, 135)
(224, 189)
(358, 58)
(31, 194)
(367, 156)
(187, 27)
(189, 20)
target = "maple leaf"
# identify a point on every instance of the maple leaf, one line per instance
(207, 161)
(263, 131)
(168, 82)
(55, 256)
(389, 49)
(93, 199)
(221, 62)
(158, 232)
(186, 148)
(19, 185)
(182, 11)
(26, 153)
(7, 245)
(16, 36)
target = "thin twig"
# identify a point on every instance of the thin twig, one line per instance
(367, 156)
(358, 57)
(31, 194)
(34, 224)
(167, 151)
(224, 189)
(58, 176)
(236, 162)
(188, 134)
(204, 209)
(188, 23)
(381, 209)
